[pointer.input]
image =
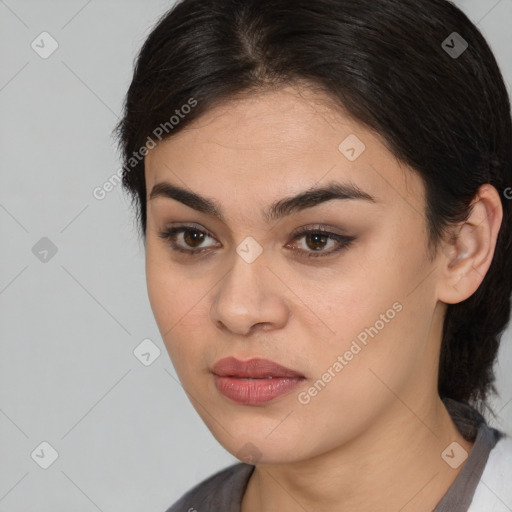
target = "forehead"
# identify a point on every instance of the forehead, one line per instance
(279, 143)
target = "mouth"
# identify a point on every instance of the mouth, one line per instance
(252, 378)
(255, 382)
(253, 369)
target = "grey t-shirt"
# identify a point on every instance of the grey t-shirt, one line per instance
(223, 491)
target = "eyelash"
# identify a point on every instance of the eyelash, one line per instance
(344, 241)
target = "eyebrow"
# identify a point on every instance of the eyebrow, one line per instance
(278, 209)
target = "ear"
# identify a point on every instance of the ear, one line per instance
(467, 257)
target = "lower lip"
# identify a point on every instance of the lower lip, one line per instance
(257, 391)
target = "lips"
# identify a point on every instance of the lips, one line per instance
(254, 368)
(255, 382)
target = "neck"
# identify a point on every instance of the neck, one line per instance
(380, 470)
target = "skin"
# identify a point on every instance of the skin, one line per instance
(372, 438)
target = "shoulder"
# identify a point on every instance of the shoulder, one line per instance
(494, 492)
(217, 492)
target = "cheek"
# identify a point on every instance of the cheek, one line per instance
(179, 306)
(159, 288)
(351, 299)
(359, 371)
(167, 292)
(378, 316)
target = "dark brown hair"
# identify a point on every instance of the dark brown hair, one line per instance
(394, 65)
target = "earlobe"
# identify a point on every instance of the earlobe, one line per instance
(466, 258)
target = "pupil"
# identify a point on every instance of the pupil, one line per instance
(318, 240)
(193, 240)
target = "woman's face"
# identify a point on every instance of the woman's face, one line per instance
(361, 324)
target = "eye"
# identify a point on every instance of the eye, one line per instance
(317, 239)
(191, 236)
(191, 239)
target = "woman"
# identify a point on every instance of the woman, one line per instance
(321, 186)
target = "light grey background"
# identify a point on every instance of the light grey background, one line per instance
(126, 435)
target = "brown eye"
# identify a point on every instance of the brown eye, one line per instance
(189, 240)
(316, 241)
(193, 237)
(186, 239)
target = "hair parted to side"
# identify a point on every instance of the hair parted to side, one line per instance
(383, 63)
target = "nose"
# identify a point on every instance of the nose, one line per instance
(249, 297)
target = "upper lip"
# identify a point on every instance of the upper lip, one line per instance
(232, 367)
